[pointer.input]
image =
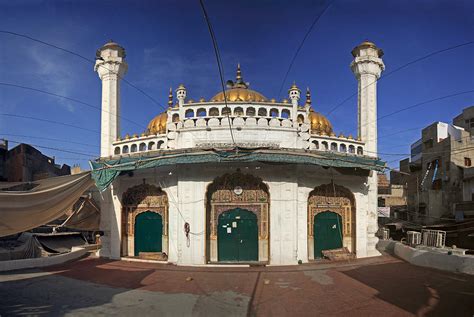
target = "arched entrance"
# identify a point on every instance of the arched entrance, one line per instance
(331, 210)
(228, 197)
(144, 220)
(327, 232)
(148, 232)
(237, 236)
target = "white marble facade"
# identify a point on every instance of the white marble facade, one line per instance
(256, 121)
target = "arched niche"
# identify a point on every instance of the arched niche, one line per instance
(237, 190)
(139, 199)
(334, 198)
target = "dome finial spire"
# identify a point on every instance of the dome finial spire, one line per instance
(170, 98)
(308, 96)
(239, 73)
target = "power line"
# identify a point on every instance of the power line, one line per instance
(48, 139)
(90, 155)
(48, 121)
(301, 46)
(415, 106)
(400, 68)
(219, 65)
(68, 98)
(83, 58)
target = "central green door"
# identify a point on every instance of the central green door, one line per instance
(148, 232)
(237, 236)
(327, 232)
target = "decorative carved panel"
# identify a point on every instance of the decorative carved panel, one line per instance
(140, 199)
(254, 197)
(335, 198)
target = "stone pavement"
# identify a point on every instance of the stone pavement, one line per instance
(382, 286)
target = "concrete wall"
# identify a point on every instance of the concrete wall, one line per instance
(432, 259)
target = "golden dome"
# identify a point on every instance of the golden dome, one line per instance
(239, 91)
(240, 94)
(319, 123)
(158, 124)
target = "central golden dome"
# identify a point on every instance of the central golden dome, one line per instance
(239, 91)
(239, 94)
(158, 124)
(319, 123)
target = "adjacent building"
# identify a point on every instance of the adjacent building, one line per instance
(24, 163)
(438, 174)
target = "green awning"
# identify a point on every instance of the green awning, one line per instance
(105, 171)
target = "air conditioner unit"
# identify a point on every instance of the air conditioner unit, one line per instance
(434, 238)
(413, 238)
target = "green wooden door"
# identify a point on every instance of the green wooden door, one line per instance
(327, 232)
(148, 232)
(237, 236)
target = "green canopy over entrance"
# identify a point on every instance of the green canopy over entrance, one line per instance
(105, 171)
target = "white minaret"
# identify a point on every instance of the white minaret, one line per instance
(367, 67)
(111, 66)
(181, 96)
(294, 94)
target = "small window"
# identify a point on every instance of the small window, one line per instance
(117, 150)
(250, 112)
(360, 151)
(225, 111)
(467, 161)
(238, 111)
(151, 146)
(142, 147)
(175, 117)
(160, 144)
(334, 147)
(300, 118)
(125, 149)
(201, 112)
(262, 112)
(316, 145)
(342, 148)
(273, 113)
(325, 145)
(133, 149)
(351, 149)
(285, 113)
(189, 113)
(214, 112)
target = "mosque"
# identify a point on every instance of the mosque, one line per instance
(240, 177)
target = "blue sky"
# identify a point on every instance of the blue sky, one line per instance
(167, 43)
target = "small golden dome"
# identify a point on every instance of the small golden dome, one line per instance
(158, 124)
(319, 123)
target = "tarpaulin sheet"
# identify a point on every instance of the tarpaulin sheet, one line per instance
(46, 201)
(104, 172)
(85, 215)
(60, 242)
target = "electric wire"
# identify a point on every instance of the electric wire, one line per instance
(219, 66)
(90, 155)
(47, 139)
(400, 68)
(83, 58)
(68, 98)
(315, 21)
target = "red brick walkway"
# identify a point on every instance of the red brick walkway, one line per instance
(381, 286)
